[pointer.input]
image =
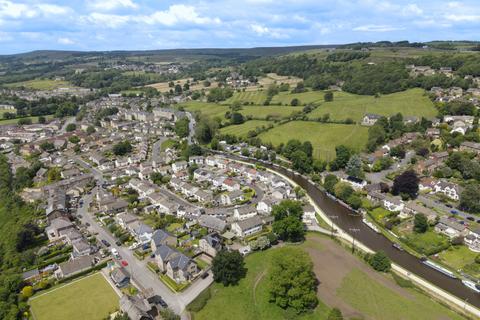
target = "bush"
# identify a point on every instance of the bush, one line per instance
(200, 302)
(380, 262)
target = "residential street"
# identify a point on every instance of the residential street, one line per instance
(442, 207)
(377, 177)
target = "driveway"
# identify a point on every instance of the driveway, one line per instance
(377, 177)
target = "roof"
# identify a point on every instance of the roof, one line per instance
(212, 223)
(159, 236)
(372, 116)
(249, 223)
(76, 265)
(119, 275)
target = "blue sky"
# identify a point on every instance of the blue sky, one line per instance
(27, 25)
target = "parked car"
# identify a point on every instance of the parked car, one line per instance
(124, 263)
(449, 205)
(471, 218)
(118, 243)
(397, 246)
(453, 211)
(205, 275)
(106, 243)
(87, 224)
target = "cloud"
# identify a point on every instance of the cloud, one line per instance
(111, 21)
(66, 41)
(52, 9)
(10, 9)
(412, 9)
(178, 14)
(108, 5)
(463, 17)
(376, 28)
(261, 30)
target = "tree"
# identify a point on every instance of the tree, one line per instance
(27, 291)
(328, 96)
(288, 220)
(380, 262)
(420, 223)
(122, 148)
(301, 162)
(237, 118)
(182, 127)
(406, 184)
(168, 314)
(42, 120)
(354, 167)
(292, 281)
(90, 130)
(54, 174)
(74, 139)
(71, 127)
(343, 190)
(24, 121)
(343, 154)
(228, 267)
(335, 314)
(295, 102)
(330, 182)
(470, 198)
(354, 201)
(47, 146)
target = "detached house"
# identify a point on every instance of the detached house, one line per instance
(247, 227)
(210, 244)
(370, 119)
(451, 190)
(176, 265)
(244, 212)
(160, 237)
(451, 228)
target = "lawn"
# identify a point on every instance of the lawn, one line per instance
(285, 98)
(378, 214)
(41, 84)
(256, 97)
(457, 257)
(90, 298)
(427, 243)
(346, 105)
(324, 137)
(377, 301)
(241, 130)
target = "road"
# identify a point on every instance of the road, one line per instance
(353, 226)
(442, 207)
(67, 122)
(191, 127)
(156, 149)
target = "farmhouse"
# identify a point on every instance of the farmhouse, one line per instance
(370, 119)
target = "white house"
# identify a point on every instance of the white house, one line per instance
(247, 227)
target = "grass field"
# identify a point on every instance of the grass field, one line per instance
(256, 97)
(242, 130)
(2, 111)
(208, 109)
(15, 121)
(345, 105)
(427, 243)
(457, 257)
(89, 298)
(324, 137)
(40, 84)
(285, 98)
(275, 78)
(377, 301)
(345, 282)
(270, 112)
(164, 87)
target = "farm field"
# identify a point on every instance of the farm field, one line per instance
(41, 84)
(345, 105)
(256, 97)
(275, 78)
(285, 98)
(242, 130)
(324, 137)
(208, 109)
(89, 298)
(273, 112)
(164, 87)
(345, 282)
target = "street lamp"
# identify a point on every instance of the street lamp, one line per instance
(353, 230)
(332, 217)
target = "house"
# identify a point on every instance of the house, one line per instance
(176, 265)
(179, 165)
(247, 227)
(141, 232)
(120, 277)
(472, 240)
(136, 308)
(81, 248)
(198, 160)
(245, 212)
(265, 205)
(470, 147)
(74, 266)
(230, 184)
(433, 133)
(212, 223)
(356, 183)
(231, 197)
(370, 119)
(426, 183)
(451, 228)
(125, 219)
(211, 244)
(115, 206)
(410, 120)
(387, 202)
(412, 208)
(56, 227)
(449, 189)
(160, 237)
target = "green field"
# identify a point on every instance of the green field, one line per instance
(249, 300)
(346, 105)
(40, 84)
(89, 298)
(458, 257)
(285, 98)
(377, 301)
(255, 97)
(324, 137)
(15, 121)
(427, 243)
(269, 112)
(242, 130)
(208, 109)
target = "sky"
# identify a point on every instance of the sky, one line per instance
(88, 25)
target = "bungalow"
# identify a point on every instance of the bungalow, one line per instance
(210, 244)
(370, 119)
(247, 227)
(411, 208)
(74, 266)
(245, 212)
(203, 196)
(116, 206)
(451, 228)
(231, 197)
(433, 133)
(387, 202)
(136, 308)
(451, 190)
(212, 224)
